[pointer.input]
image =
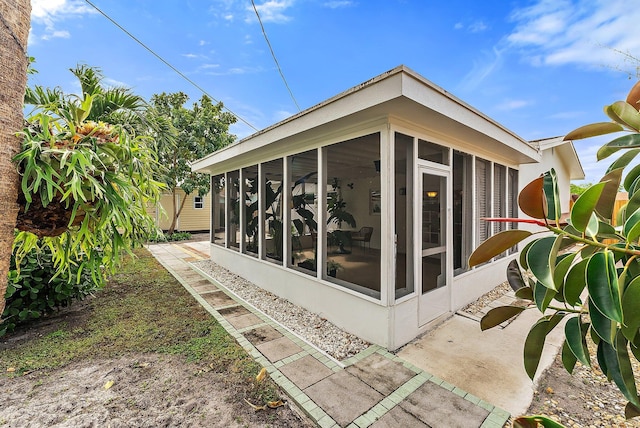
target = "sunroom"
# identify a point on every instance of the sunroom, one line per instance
(365, 208)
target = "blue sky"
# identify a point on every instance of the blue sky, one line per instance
(540, 67)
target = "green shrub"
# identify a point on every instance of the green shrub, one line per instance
(35, 289)
(175, 236)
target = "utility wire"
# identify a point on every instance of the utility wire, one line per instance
(167, 63)
(274, 55)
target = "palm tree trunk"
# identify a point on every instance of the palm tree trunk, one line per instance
(14, 31)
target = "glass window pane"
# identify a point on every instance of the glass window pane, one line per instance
(273, 230)
(483, 200)
(462, 211)
(513, 202)
(433, 232)
(304, 209)
(354, 205)
(404, 166)
(433, 152)
(218, 207)
(252, 240)
(499, 198)
(233, 209)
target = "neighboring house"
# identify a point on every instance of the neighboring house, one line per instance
(413, 165)
(195, 216)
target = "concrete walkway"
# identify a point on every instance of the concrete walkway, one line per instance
(372, 389)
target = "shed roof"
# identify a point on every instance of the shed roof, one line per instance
(398, 93)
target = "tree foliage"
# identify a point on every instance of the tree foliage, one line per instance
(586, 272)
(184, 135)
(85, 183)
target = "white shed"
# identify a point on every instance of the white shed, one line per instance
(383, 186)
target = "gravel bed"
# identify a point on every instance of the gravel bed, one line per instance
(315, 329)
(475, 308)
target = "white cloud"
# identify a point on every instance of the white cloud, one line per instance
(477, 27)
(49, 13)
(491, 62)
(513, 104)
(585, 32)
(114, 83)
(270, 11)
(59, 34)
(458, 26)
(281, 115)
(190, 55)
(202, 43)
(338, 4)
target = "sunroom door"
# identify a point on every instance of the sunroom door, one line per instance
(433, 265)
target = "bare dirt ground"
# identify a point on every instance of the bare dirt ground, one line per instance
(113, 385)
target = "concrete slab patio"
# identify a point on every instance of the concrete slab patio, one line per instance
(372, 389)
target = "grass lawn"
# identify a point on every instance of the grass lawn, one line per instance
(143, 311)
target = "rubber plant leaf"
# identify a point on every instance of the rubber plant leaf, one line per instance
(534, 342)
(631, 411)
(575, 282)
(576, 333)
(631, 177)
(514, 276)
(602, 283)
(631, 227)
(619, 368)
(601, 325)
(568, 359)
(552, 195)
(631, 309)
(496, 245)
(629, 141)
(542, 296)
(535, 421)
(583, 208)
(627, 114)
(623, 160)
(633, 97)
(561, 270)
(607, 200)
(541, 260)
(633, 204)
(531, 199)
(593, 130)
(497, 316)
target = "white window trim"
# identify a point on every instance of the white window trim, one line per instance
(196, 202)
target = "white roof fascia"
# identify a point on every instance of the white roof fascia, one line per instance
(567, 151)
(397, 83)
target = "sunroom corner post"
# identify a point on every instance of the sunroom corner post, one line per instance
(387, 219)
(286, 211)
(322, 213)
(242, 211)
(261, 212)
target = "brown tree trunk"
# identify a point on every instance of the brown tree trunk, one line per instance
(176, 212)
(14, 31)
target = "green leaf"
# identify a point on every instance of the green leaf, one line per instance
(603, 326)
(496, 245)
(535, 422)
(534, 342)
(541, 260)
(629, 141)
(525, 293)
(576, 332)
(561, 270)
(631, 177)
(593, 227)
(607, 199)
(552, 195)
(627, 114)
(602, 283)
(593, 130)
(568, 359)
(623, 160)
(619, 367)
(631, 227)
(631, 309)
(497, 316)
(583, 208)
(514, 276)
(543, 296)
(633, 204)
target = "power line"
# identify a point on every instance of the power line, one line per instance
(274, 55)
(167, 63)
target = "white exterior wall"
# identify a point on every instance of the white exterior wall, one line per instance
(348, 310)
